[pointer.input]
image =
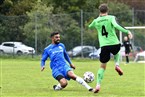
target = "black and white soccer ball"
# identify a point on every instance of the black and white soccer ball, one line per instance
(88, 77)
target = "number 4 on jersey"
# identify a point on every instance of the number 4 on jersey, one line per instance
(104, 32)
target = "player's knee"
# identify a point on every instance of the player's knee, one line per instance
(63, 83)
(72, 75)
(103, 65)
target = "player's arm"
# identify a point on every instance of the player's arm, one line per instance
(120, 28)
(68, 59)
(91, 26)
(130, 35)
(43, 59)
(117, 26)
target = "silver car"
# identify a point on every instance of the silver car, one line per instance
(16, 48)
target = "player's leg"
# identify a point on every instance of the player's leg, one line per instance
(79, 80)
(127, 59)
(100, 76)
(117, 67)
(117, 59)
(62, 83)
(104, 58)
(115, 50)
(127, 56)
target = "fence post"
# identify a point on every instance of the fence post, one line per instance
(36, 31)
(82, 28)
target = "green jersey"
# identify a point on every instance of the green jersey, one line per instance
(105, 26)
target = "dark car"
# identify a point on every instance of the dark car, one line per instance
(79, 51)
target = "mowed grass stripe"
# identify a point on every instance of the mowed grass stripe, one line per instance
(22, 78)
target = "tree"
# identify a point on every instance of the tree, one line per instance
(139, 38)
(122, 12)
(9, 28)
(69, 29)
(12, 16)
(71, 6)
(16, 7)
(36, 29)
(1, 2)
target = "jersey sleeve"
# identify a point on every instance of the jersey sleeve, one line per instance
(91, 26)
(117, 26)
(44, 57)
(66, 56)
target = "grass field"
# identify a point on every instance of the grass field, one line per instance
(22, 78)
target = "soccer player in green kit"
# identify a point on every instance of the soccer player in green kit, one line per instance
(105, 25)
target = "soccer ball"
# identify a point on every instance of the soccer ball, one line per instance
(88, 77)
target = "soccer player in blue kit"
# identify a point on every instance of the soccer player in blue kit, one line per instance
(61, 71)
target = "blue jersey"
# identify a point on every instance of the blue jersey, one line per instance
(57, 54)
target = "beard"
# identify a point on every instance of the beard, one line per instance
(57, 42)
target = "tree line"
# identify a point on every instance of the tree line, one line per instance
(31, 21)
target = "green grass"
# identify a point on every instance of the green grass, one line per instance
(22, 78)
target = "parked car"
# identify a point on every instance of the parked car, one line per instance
(78, 50)
(16, 48)
(96, 54)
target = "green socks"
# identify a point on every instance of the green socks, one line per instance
(100, 75)
(117, 58)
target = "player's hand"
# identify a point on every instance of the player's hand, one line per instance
(72, 66)
(42, 68)
(130, 35)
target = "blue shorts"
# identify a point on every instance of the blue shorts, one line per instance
(61, 71)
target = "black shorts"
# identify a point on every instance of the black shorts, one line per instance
(106, 52)
(127, 51)
(59, 77)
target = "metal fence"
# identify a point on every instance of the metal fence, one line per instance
(35, 30)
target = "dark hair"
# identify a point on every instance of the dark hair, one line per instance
(53, 33)
(103, 8)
